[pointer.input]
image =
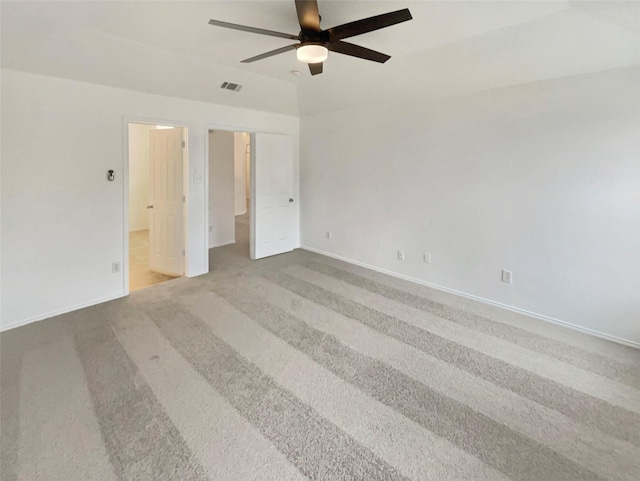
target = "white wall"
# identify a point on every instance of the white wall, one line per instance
(222, 221)
(139, 176)
(239, 171)
(62, 222)
(541, 179)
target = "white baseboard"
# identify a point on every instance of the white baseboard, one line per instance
(223, 243)
(48, 315)
(535, 315)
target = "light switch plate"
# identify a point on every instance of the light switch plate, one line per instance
(507, 276)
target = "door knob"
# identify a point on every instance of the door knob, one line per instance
(149, 207)
(290, 200)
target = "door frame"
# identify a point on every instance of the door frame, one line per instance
(126, 120)
(252, 189)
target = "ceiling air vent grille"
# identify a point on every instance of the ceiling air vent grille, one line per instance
(231, 86)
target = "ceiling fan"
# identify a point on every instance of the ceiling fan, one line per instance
(315, 43)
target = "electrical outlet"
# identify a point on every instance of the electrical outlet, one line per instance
(328, 234)
(401, 255)
(427, 258)
(507, 276)
(115, 267)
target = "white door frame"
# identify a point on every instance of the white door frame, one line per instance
(252, 190)
(126, 120)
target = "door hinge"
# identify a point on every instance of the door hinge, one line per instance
(184, 198)
(183, 144)
(183, 253)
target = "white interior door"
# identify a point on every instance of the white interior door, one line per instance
(166, 237)
(273, 203)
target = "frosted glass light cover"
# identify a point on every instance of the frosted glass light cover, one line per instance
(312, 53)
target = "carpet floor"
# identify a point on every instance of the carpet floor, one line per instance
(303, 367)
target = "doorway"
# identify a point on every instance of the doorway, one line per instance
(251, 203)
(242, 189)
(229, 190)
(157, 158)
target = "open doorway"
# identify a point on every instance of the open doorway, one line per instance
(229, 190)
(242, 193)
(251, 202)
(157, 158)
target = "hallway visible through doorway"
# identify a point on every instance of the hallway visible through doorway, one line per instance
(242, 231)
(237, 252)
(229, 188)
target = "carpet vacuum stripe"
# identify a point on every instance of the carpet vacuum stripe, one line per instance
(584, 444)
(494, 443)
(141, 439)
(613, 420)
(315, 446)
(564, 352)
(416, 452)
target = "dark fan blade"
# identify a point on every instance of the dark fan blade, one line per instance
(358, 51)
(271, 53)
(369, 24)
(261, 31)
(315, 68)
(308, 15)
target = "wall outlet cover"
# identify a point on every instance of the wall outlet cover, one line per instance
(507, 276)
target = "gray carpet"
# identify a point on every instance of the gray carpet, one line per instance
(303, 367)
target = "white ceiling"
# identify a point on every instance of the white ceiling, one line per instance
(450, 48)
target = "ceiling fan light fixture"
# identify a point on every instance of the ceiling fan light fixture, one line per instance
(312, 53)
(315, 42)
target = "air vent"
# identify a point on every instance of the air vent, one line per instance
(231, 86)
